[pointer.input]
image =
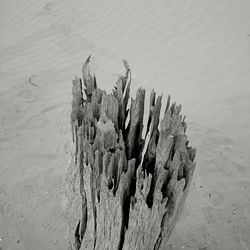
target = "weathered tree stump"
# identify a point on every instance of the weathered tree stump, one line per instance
(124, 190)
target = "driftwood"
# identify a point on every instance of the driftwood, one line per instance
(124, 190)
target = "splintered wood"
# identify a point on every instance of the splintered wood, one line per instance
(124, 190)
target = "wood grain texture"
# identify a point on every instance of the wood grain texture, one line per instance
(131, 189)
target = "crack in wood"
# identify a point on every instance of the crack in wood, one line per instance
(132, 188)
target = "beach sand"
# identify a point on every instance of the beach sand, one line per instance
(196, 51)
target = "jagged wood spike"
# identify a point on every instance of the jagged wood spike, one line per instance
(129, 190)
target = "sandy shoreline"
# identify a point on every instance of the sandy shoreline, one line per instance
(197, 51)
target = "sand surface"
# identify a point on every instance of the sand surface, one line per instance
(197, 51)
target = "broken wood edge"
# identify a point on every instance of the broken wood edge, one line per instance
(142, 182)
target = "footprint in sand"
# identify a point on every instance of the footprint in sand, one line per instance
(8, 208)
(54, 220)
(34, 196)
(31, 195)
